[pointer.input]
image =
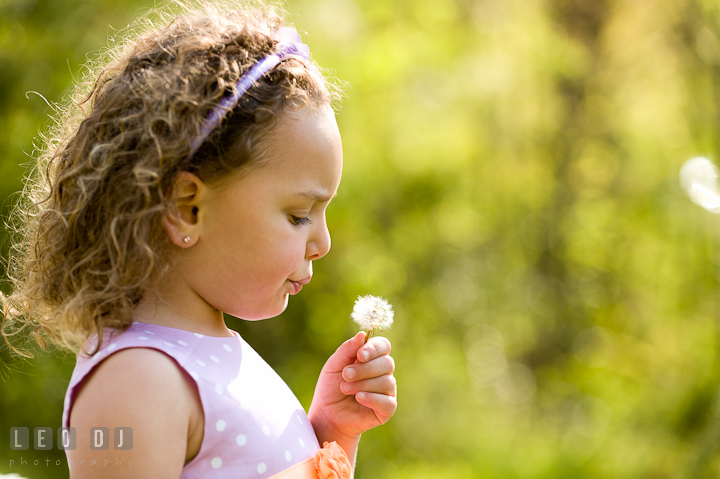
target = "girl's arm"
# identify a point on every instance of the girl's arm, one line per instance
(356, 391)
(145, 390)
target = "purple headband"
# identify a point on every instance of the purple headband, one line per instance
(289, 44)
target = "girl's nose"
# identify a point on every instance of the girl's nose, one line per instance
(319, 243)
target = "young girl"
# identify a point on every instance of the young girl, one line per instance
(195, 182)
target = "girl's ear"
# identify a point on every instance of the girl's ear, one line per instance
(181, 219)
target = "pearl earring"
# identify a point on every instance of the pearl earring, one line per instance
(186, 239)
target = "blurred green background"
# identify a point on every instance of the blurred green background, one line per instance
(511, 187)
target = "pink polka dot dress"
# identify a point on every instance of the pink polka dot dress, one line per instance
(254, 425)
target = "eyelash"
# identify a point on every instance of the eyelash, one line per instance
(297, 220)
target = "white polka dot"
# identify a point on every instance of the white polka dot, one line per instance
(181, 342)
(241, 440)
(215, 359)
(216, 462)
(288, 456)
(262, 468)
(218, 388)
(149, 332)
(266, 430)
(194, 375)
(220, 425)
(244, 406)
(67, 402)
(302, 443)
(199, 335)
(135, 322)
(112, 346)
(168, 344)
(200, 362)
(143, 338)
(227, 348)
(299, 419)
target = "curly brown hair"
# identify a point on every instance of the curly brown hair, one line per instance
(88, 237)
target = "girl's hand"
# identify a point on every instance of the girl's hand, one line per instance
(356, 391)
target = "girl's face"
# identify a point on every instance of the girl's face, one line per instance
(258, 233)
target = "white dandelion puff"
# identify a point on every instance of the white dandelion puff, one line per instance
(372, 313)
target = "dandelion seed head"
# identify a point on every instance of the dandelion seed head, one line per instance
(372, 312)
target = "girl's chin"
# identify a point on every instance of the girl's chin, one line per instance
(265, 314)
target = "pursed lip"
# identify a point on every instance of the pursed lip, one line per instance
(297, 285)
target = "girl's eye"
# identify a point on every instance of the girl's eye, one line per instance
(297, 220)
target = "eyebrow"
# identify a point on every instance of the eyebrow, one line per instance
(315, 196)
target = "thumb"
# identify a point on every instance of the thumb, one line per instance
(346, 354)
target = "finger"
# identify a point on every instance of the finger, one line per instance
(382, 385)
(383, 406)
(345, 354)
(374, 348)
(374, 368)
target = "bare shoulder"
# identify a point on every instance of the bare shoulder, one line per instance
(147, 391)
(133, 374)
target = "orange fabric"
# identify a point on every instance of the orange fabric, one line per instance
(330, 462)
(301, 470)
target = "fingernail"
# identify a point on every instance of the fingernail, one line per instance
(345, 387)
(360, 396)
(366, 354)
(349, 373)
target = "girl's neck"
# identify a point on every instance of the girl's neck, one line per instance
(175, 305)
